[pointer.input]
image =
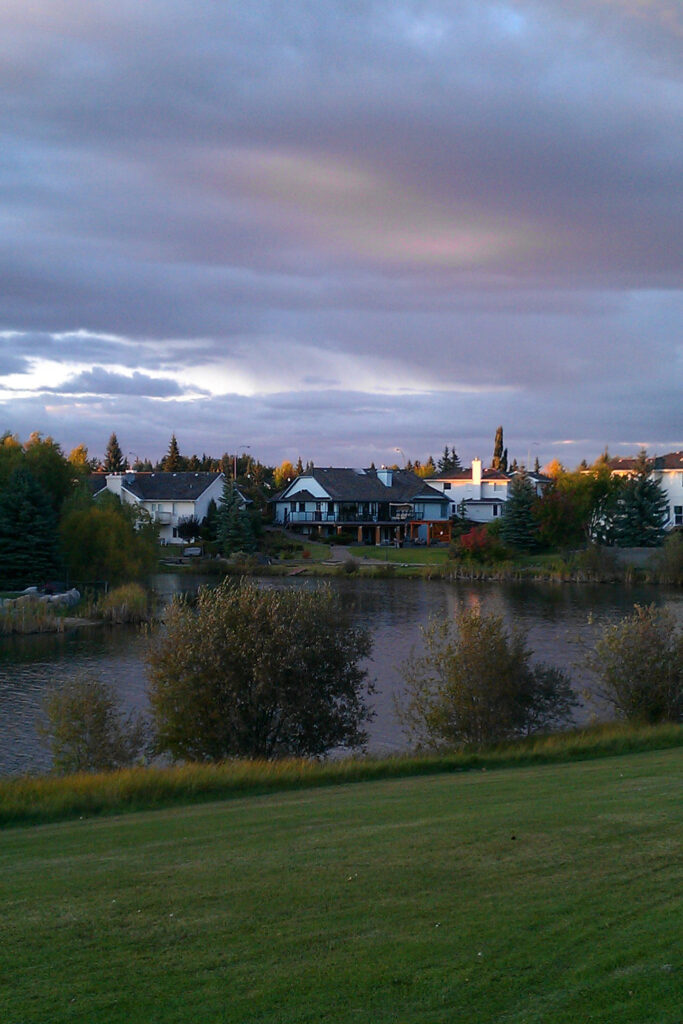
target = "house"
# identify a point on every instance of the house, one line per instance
(667, 470)
(168, 497)
(379, 505)
(480, 494)
(477, 494)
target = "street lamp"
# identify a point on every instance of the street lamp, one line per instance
(234, 461)
(401, 452)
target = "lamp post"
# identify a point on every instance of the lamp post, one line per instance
(401, 452)
(234, 461)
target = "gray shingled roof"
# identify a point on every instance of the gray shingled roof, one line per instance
(364, 485)
(168, 486)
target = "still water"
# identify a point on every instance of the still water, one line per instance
(558, 619)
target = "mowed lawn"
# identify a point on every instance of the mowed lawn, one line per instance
(525, 895)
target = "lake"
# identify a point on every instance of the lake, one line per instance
(558, 619)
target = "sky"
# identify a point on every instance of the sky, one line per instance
(341, 229)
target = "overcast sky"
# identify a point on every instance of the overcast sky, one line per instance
(336, 229)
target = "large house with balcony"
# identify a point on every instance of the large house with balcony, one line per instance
(168, 497)
(667, 470)
(379, 506)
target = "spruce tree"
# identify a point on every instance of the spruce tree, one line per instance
(519, 527)
(114, 462)
(233, 525)
(299, 467)
(641, 509)
(172, 463)
(27, 532)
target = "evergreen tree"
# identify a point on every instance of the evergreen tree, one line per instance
(519, 527)
(537, 465)
(498, 450)
(27, 532)
(299, 467)
(449, 462)
(641, 509)
(114, 462)
(233, 525)
(172, 463)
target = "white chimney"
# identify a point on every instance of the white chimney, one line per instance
(385, 475)
(476, 475)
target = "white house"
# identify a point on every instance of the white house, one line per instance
(378, 505)
(168, 497)
(477, 494)
(667, 470)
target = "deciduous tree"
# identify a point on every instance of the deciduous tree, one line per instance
(253, 672)
(474, 684)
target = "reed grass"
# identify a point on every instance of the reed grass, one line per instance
(30, 616)
(129, 603)
(30, 800)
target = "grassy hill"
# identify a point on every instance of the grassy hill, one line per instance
(539, 894)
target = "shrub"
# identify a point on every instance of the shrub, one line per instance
(479, 545)
(639, 665)
(87, 731)
(254, 672)
(474, 684)
(128, 603)
(670, 559)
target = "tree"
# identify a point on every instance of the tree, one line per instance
(79, 459)
(87, 731)
(233, 526)
(189, 528)
(299, 467)
(107, 540)
(449, 462)
(284, 473)
(641, 509)
(474, 684)
(500, 454)
(114, 461)
(639, 664)
(45, 460)
(173, 461)
(258, 673)
(27, 532)
(519, 527)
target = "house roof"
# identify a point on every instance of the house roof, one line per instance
(96, 482)
(465, 476)
(672, 460)
(168, 486)
(365, 485)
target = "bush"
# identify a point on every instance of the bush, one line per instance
(670, 559)
(254, 672)
(474, 684)
(479, 545)
(125, 604)
(639, 665)
(86, 729)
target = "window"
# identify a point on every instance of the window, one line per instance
(292, 506)
(678, 515)
(302, 506)
(446, 487)
(495, 510)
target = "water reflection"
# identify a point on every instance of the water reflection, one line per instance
(556, 618)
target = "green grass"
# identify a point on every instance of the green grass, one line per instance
(38, 799)
(546, 895)
(423, 555)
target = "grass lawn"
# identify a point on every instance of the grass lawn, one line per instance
(423, 555)
(547, 894)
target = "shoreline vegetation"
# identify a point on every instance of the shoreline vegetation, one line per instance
(133, 603)
(32, 800)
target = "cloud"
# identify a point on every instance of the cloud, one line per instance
(464, 213)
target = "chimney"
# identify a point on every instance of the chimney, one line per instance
(385, 475)
(476, 474)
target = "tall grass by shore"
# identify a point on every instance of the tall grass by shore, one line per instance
(30, 616)
(36, 799)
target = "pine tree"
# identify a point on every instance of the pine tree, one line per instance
(537, 465)
(519, 527)
(172, 463)
(498, 450)
(114, 462)
(641, 509)
(27, 532)
(299, 467)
